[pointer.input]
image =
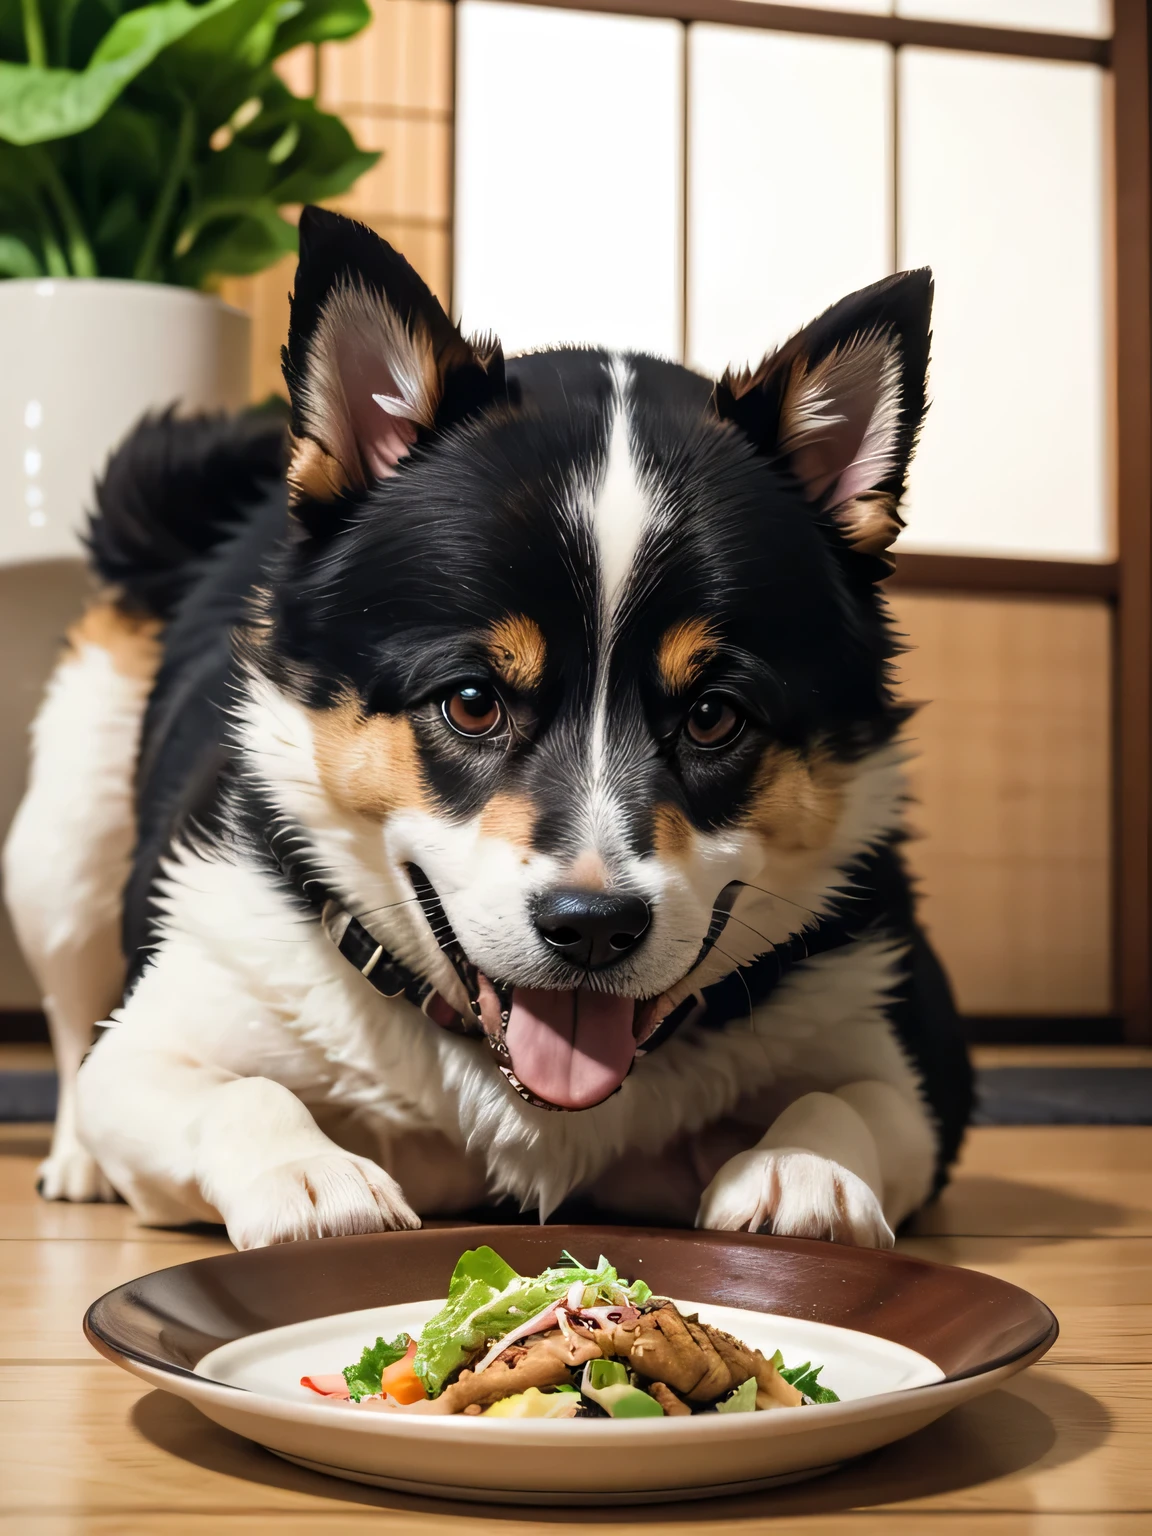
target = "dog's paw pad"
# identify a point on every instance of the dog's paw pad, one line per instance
(793, 1193)
(333, 1194)
(72, 1173)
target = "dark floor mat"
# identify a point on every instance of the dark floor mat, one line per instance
(1064, 1096)
(27, 1096)
(1005, 1096)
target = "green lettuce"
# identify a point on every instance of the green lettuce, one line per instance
(741, 1399)
(803, 1378)
(487, 1299)
(364, 1378)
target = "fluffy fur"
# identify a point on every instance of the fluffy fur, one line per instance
(586, 628)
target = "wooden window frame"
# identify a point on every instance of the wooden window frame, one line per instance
(1126, 582)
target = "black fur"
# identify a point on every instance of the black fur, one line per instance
(171, 493)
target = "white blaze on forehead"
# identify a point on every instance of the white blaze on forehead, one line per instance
(619, 510)
(621, 506)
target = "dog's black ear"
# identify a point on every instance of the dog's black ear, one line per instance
(373, 364)
(841, 405)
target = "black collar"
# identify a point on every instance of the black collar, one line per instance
(382, 970)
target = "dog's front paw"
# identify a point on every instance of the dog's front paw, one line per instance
(331, 1194)
(793, 1193)
(70, 1172)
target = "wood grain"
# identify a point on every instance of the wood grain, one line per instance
(1048, 1181)
(1061, 1451)
(1012, 779)
(1062, 1438)
(848, 1522)
(402, 60)
(1098, 1287)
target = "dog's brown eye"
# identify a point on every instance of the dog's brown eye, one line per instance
(473, 711)
(712, 722)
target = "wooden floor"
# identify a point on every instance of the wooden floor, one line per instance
(1065, 1450)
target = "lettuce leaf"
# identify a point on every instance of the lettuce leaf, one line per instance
(364, 1378)
(741, 1399)
(480, 1264)
(447, 1339)
(487, 1299)
(803, 1378)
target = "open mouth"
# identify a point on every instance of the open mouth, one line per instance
(563, 1048)
(559, 1048)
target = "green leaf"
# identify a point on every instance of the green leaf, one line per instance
(120, 216)
(480, 1264)
(481, 1277)
(363, 1378)
(235, 246)
(217, 65)
(41, 104)
(803, 1378)
(741, 1400)
(323, 21)
(18, 259)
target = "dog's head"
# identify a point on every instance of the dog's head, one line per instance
(588, 643)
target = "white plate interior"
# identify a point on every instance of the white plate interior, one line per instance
(856, 1365)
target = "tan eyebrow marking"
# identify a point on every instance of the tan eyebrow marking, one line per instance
(517, 651)
(684, 652)
(510, 818)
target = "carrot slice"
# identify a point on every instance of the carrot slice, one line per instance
(401, 1382)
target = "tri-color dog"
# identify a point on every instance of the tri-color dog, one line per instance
(507, 801)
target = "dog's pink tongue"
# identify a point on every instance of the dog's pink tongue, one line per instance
(572, 1049)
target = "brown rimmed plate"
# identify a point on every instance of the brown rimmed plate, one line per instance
(902, 1341)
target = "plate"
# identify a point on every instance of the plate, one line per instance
(902, 1340)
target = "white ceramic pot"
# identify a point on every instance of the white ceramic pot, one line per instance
(81, 360)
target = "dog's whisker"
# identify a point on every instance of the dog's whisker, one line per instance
(776, 896)
(743, 980)
(733, 918)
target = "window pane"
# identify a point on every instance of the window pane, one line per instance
(1092, 17)
(873, 7)
(1000, 192)
(789, 190)
(568, 176)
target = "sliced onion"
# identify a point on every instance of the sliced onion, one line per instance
(611, 1315)
(537, 1324)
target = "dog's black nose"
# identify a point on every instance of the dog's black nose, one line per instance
(591, 929)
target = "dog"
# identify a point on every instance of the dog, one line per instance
(493, 787)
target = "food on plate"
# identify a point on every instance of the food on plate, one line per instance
(571, 1342)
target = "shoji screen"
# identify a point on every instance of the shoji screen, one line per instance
(1091, 17)
(816, 165)
(568, 177)
(790, 197)
(1001, 172)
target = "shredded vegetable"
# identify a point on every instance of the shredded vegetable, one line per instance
(571, 1342)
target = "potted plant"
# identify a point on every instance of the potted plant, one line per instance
(146, 149)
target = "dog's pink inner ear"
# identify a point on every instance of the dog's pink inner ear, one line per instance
(371, 383)
(387, 390)
(383, 423)
(840, 423)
